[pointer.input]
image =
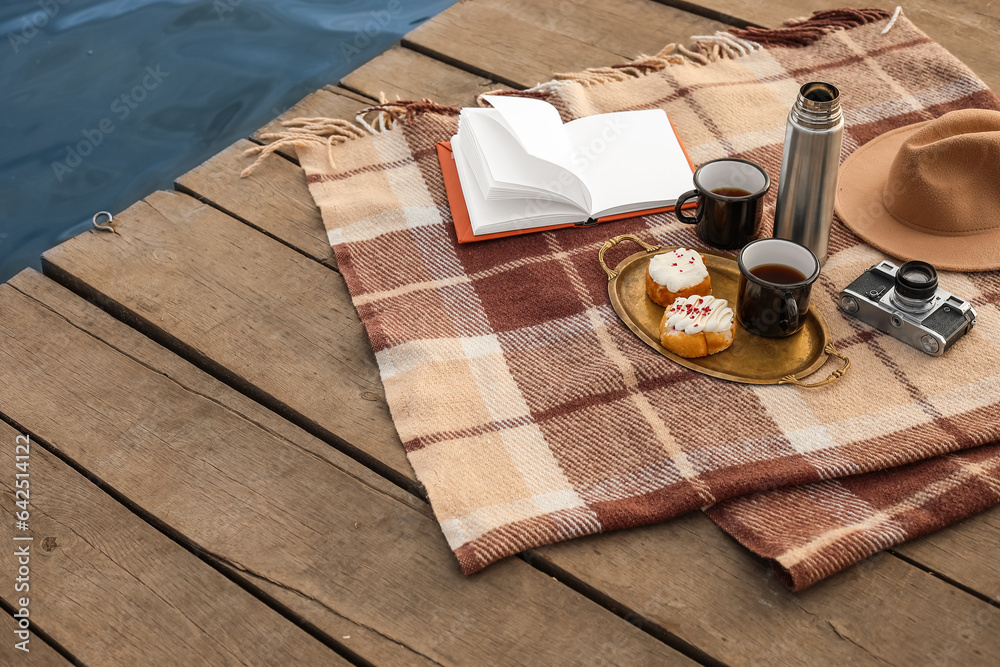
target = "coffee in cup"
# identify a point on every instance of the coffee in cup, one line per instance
(776, 277)
(730, 196)
(731, 192)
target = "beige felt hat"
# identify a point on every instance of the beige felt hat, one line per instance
(929, 191)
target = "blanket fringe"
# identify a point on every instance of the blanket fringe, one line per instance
(731, 44)
(735, 43)
(388, 114)
(707, 49)
(305, 132)
(671, 54)
(329, 132)
(803, 32)
(383, 116)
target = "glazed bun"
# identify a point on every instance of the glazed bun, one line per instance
(697, 326)
(675, 275)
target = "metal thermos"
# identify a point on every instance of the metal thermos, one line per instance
(808, 182)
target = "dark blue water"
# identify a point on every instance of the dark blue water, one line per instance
(105, 101)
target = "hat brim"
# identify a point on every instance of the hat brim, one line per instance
(859, 204)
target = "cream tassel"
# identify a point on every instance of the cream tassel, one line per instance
(326, 132)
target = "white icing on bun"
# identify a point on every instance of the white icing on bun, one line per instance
(678, 269)
(698, 314)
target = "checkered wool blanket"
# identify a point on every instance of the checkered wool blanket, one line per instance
(532, 415)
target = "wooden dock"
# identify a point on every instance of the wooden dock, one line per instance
(216, 478)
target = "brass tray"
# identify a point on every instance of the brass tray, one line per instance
(750, 359)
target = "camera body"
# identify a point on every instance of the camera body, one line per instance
(931, 320)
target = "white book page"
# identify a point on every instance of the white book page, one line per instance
(629, 160)
(535, 124)
(502, 215)
(511, 171)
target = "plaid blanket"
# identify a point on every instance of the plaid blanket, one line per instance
(532, 415)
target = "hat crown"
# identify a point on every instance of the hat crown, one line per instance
(944, 180)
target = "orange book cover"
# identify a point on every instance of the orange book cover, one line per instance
(460, 212)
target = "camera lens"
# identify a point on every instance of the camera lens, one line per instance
(916, 280)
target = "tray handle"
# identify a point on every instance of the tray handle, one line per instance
(615, 241)
(834, 376)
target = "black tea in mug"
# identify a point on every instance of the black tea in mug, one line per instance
(778, 273)
(730, 196)
(731, 192)
(776, 276)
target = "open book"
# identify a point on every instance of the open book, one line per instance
(521, 168)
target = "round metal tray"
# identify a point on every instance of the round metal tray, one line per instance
(750, 359)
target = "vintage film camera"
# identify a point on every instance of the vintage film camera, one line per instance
(906, 303)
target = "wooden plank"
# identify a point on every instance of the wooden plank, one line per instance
(690, 578)
(127, 340)
(39, 653)
(289, 517)
(329, 102)
(401, 73)
(967, 28)
(111, 589)
(519, 53)
(274, 324)
(531, 41)
(965, 553)
(274, 200)
(627, 28)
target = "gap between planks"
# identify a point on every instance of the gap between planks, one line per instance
(992, 599)
(220, 565)
(89, 486)
(46, 650)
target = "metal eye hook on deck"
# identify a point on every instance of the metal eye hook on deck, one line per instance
(106, 225)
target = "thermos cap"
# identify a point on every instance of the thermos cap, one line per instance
(817, 106)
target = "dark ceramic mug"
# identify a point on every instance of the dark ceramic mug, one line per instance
(730, 195)
(776, 276)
